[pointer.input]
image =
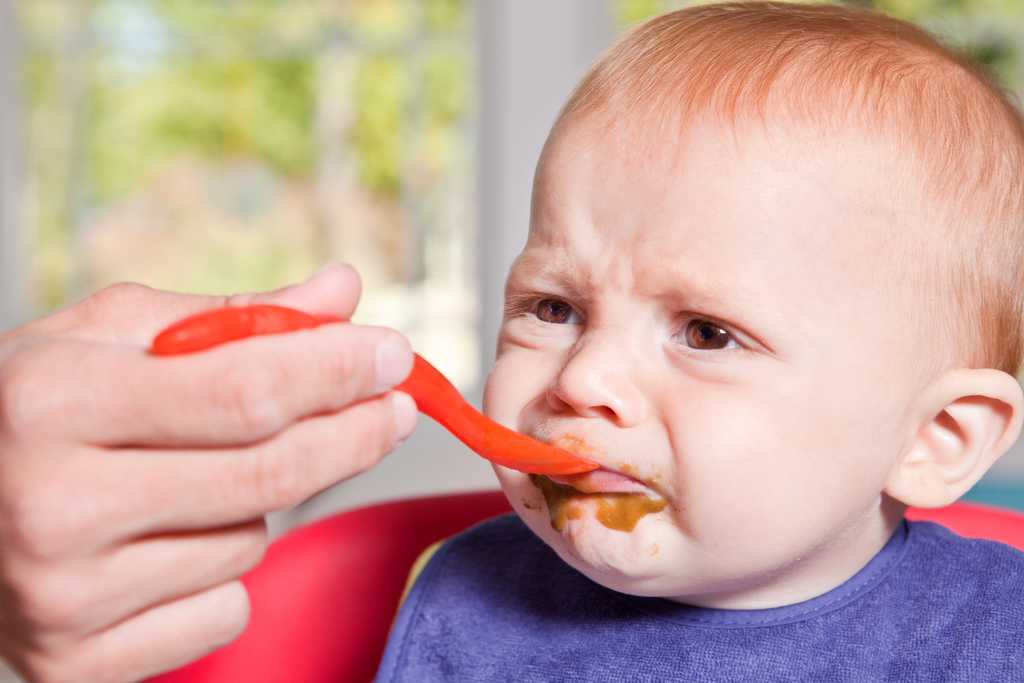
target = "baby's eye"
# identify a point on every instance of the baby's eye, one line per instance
(704, 335)
(554, 311)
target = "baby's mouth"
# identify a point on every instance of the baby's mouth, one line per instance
(603, 481)
(622, 501)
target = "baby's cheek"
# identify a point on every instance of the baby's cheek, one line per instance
(517, 377)
(730, 461)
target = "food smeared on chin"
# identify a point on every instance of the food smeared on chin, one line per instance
(619, 510)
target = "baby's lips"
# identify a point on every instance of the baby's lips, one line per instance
(602, 481)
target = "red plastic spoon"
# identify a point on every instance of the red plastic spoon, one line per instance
(435, 396)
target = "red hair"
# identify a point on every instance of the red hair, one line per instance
(839, 67)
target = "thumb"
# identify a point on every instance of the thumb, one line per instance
(332, 290)
(133, 314)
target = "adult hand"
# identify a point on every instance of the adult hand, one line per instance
(133, 488)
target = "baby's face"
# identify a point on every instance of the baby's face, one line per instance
(719, 326)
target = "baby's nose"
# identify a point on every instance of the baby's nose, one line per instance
(597, 381)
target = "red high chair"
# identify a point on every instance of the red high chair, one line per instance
(324, 597)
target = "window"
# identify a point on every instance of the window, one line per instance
(230, 146)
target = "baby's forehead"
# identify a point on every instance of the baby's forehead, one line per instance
(651, 143)
(827, 69)
(766, 166)
(746, 217)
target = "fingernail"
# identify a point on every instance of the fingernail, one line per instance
(404, 408)
(394, 362)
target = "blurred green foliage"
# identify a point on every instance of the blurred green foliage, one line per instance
(238, 81)
(120, 89)
(220, 109)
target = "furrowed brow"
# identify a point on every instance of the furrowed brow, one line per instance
(554, 273)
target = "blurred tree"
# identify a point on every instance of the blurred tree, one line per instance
(318, 92)
(54, 84)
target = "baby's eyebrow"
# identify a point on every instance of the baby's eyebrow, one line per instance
(674, 286)
(681, 285)
(674, 289)
(555, 273)
(737, 309)
(707, 300)
(740, 308)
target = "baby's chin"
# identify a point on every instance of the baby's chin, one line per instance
(636, 562)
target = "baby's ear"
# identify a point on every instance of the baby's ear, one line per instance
(964, 422)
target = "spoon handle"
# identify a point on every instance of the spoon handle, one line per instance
(435, 396)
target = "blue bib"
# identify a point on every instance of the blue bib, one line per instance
(496, 604)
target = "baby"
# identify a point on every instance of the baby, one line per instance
(774, 287)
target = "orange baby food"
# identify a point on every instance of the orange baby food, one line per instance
(619, 511)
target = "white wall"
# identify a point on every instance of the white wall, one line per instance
(12, 257)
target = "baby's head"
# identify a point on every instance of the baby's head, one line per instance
(774, 278)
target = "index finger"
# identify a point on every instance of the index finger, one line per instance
(231, 395)
(131, 313)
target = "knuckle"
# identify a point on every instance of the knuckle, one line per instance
(22, 526)
(42, 667)
(278, 485)
(23, 402)
(36, 523)
(98, 307)
(345, 365)
(252, 401)
(115, 296)
(50, 602)
(349, 368)
(22, 523)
